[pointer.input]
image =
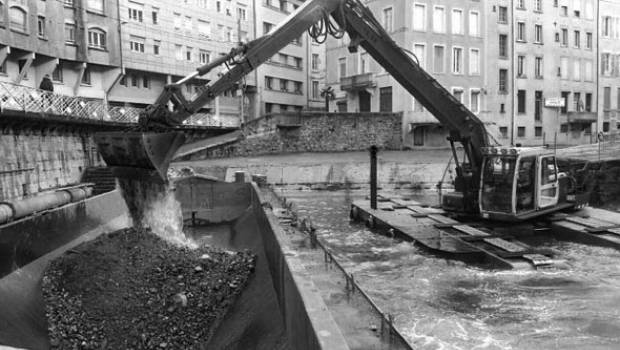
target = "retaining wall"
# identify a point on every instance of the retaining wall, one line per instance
(312, 132)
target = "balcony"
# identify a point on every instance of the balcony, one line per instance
(357, 82)
(581, 117)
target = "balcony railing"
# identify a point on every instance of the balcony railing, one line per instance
(26, 99)
(359, 81)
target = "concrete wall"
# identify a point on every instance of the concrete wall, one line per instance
(313, 132)
(32, 160)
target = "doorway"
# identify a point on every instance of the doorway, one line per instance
(364, 98)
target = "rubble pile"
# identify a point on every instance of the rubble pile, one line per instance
(133, 290)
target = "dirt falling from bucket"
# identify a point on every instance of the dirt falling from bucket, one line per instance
(154, 206)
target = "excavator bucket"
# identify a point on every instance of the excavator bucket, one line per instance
(137, 155)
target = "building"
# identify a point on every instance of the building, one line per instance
(543, 85)
(76, 42)
(165, 40)
(446, 38)
(292, 79)
(609, 52)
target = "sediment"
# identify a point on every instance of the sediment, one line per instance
(133, 290)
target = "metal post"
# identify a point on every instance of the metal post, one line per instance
(373, 176)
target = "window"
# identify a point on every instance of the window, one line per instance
(315, 61)
(269, 83)
(388, 24)
(438, 59)
(577, 103)
(145, 82)
(283, 5)
(589, 41)
(521, 131)
(588, 102)
(385, 99)
(342, 67)
(521, 31)
(188, 23)
(21, 64)
(177, 20)
(156, 46)
(95, 5)
(419, 16)
(474, 23)
(242, 13)
(17, 18)
(503, 130)
(606, 64)
(565, 95)
(283, 85)
(587, 70)
(520, 66)
(564, 67)
(298, 87)
(268, 107)
(419, 50)
(41, 26)
(218, 6)
(538, 131)
(577, 8)
(155, 16)
(538, 105)
(136, 44)
(503, 46)
(457, 92)
(474, 101)
(267, 27)
(57, 73)
(564, 10)
(70, 32)
(577, 69)
(474, 61)
(521, 101)
(457, 60)
(204, 28)
(86, 76)
(298, 62)
(204, 57)
(502, 14)
(134, 80)
(503, 81)
(439, 20)
(135, 14)
(457, 21)
(538, 34)
(577, 38)
(521, 4)
(188, 54)
(606, 27)
(96, 38)
(564, 37)
(315, 89)
(178, 52)
(538, 67)
(538, 5)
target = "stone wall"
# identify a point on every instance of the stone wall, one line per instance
(36, 159)
(312, 132)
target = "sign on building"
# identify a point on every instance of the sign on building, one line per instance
(555, 102)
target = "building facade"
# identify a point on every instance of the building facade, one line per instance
(75, 41)
(165, 40)
(609, 77)
(292, 79)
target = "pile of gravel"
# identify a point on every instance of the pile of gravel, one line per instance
(132, 290)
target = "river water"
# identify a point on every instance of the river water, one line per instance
(444, 304)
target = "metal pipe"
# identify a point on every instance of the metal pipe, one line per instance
(373, 176)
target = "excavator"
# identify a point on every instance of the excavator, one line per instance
(491, 182)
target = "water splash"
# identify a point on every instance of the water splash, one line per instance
(155, 207)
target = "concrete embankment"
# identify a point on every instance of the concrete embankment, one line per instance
(415, 168)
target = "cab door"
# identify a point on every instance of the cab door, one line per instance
(548, 189)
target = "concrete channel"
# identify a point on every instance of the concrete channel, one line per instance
(298, 298)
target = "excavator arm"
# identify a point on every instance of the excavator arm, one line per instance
(141, 154)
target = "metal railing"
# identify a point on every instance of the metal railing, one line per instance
(27, 99)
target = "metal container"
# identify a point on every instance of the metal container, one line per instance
(38, 203)
(77, 194)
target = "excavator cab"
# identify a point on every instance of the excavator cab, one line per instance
(518, 183)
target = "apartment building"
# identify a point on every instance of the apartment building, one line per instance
(292, 79)
(76, 42)
(544, 61)
(609, 79)
(447, 40)
(165, 40)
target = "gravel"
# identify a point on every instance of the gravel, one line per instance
(132, 290)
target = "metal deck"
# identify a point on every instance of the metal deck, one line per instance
(590, 226)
